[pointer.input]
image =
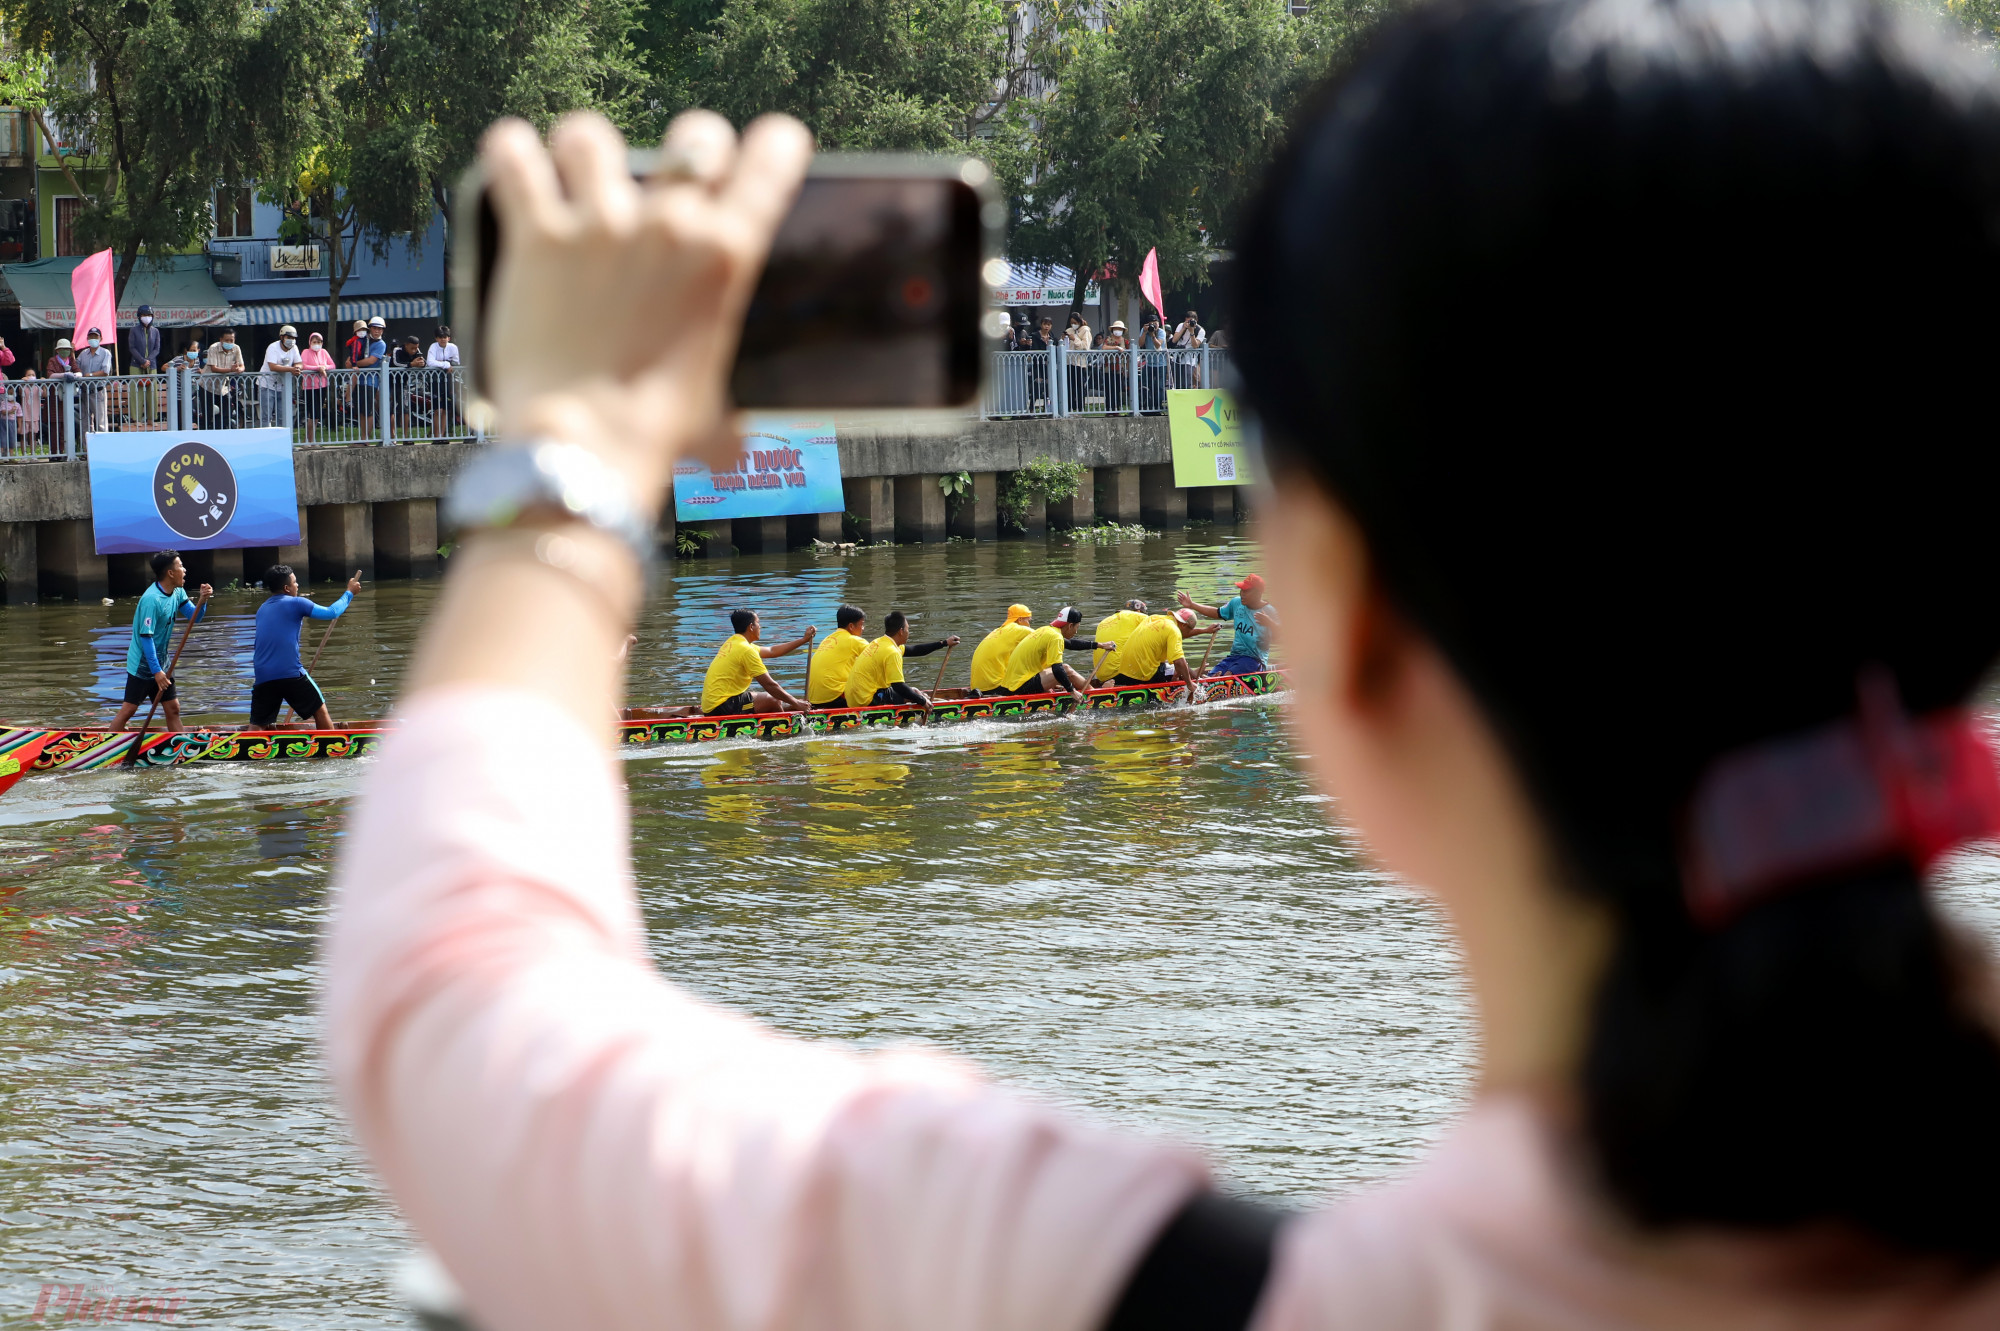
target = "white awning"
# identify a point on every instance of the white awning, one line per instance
(306, 312)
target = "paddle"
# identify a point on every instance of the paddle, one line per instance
(132, 754)
(938, 683)
(328, 634)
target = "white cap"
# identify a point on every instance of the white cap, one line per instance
(288, 329)
(378, 322)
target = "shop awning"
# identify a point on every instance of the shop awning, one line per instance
(178, 288)
(1031, 284)
(304, 312)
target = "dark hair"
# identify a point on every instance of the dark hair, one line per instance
(1596, 317)
(741, 620)
(848, 614)
(276, 576)
(893, 621)
(160, 561)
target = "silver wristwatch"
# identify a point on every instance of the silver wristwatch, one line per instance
(506, 483)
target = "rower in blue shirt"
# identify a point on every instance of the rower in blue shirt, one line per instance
(279, 675)
(153, 639)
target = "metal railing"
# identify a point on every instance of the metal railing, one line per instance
(52, 418)
(1106, 382)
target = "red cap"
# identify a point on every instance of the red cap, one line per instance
(1254, 582)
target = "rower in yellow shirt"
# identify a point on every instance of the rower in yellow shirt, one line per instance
(1037, 665)
(826, 682)
(725, 691)
(1152, 653)
(877, 677)
(1115, 628)
(989, 659)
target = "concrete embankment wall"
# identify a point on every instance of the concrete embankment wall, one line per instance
(375, 509)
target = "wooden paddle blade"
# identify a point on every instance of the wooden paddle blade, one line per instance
(18, 761)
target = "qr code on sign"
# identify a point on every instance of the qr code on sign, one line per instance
(1225, 466)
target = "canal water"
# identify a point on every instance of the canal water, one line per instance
(1151, 918)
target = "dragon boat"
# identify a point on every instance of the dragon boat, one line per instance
(31, 749)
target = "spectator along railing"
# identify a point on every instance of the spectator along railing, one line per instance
(52, 418)
(1111, 382)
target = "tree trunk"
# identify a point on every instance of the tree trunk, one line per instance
(1081, 282)
(121, 275)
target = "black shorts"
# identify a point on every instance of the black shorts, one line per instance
(266, 698)
(731, 706)
(1164, 674)
(1033, 684)
(141, 688)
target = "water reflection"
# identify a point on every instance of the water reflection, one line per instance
(1147, 916)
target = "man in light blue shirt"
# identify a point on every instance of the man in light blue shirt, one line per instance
(278, 674)
(1252, 617)
(153, 639)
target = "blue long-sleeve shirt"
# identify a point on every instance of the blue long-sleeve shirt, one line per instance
(153, 628)
(276, 653)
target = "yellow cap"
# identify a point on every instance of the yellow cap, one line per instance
(1020, 612)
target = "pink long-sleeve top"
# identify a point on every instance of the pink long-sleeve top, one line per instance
(585, 1145)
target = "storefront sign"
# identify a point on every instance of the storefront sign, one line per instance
(1210, 445)
(788, 465)
(294, 258)
(195, 490)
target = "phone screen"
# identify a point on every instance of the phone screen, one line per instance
(871, 298)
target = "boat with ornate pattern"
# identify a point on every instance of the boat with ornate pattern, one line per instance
(57, 750)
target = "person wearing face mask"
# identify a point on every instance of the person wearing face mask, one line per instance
(314, 395)
(142, 356)
(281, 359)
(95, 361)
(225, 359)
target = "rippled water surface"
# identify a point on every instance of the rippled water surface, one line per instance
(1149, 916)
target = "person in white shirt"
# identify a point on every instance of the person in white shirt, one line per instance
(281, 358)
(1191, 337)
(442, 354)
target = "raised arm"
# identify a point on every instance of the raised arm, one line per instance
(582, 1143)
(1205, 611)
(788, 648)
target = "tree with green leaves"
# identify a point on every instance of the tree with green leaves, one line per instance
(171, 99)
(1163, 116)
(399, 132)
(864, 75)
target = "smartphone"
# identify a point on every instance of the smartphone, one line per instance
(875, 295)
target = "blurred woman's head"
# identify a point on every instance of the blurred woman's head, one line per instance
(1615, 358)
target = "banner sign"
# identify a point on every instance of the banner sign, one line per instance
(1211, 447)
(789, 465)
(192, 490)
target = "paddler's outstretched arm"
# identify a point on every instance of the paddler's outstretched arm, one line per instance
(778, 691)
(1205, 611)
(336, 608)
(768, 652)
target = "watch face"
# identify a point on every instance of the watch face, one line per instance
(194, 490)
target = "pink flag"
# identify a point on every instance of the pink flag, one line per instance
(91, 287)
(1149, 282)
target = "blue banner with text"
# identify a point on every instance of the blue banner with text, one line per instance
(788, 465)
(192, 490)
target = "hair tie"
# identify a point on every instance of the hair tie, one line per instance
(1867, 789)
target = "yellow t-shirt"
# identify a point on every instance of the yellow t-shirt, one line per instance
(734, 669)
(1117, 628)
(879, 667)
(1155, 643)
(1038, 651)
(832, 663)
(989, 661)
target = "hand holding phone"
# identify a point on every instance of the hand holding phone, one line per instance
(874, 294)
(614, 304)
